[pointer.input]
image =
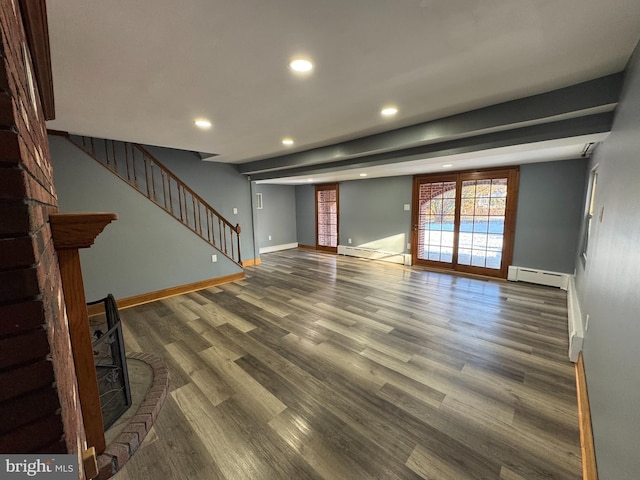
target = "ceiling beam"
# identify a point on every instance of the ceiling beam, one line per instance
(573, 127)
(584, 100)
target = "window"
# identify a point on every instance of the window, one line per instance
(589, 210)
(327, 217)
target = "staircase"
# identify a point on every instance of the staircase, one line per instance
(140, 169)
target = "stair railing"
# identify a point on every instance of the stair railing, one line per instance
(139, 168)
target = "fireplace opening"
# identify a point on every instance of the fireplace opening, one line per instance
(110, 362)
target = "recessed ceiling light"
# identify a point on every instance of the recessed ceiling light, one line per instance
(287, 141)
(301, 65)
(309, 179)
(202, 123)
(388, 111)
(447, 165)
(363, 174)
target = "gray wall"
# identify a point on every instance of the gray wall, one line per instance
(372, 213)
(306, 215)
(550, 204)
(277, 218)
(609, 292)
(145, 249)
(547, 229)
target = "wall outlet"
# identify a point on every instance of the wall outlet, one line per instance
(408, 246)
(235, 211)
(586, 323)
(269, 237)
(214, 258)
(407, 207)
(349, 240)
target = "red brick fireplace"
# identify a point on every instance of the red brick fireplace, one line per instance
(39, 403)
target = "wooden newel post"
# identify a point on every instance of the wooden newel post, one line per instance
(238, 232)
(72, 231)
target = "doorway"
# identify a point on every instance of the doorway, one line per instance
(465, 221)
(327, 217)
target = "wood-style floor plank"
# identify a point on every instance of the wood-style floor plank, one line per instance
(326, 367)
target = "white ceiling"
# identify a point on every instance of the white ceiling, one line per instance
(143, 71)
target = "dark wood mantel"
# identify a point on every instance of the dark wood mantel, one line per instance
(78, 230)
(72, 231)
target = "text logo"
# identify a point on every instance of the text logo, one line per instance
(50, 467)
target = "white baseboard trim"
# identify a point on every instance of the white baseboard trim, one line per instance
(574, 314)
(277, 248)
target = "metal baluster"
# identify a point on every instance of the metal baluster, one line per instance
(153, 181)
(195, 220)
(180, 203)
(170, 196)
(164, 190)
(226, 250)
(186, 212)
(135, 173)
(208, 213)
(146, 175)
(126, 161)
(231, 241)
(115, 158)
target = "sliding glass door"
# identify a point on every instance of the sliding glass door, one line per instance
(465, 221)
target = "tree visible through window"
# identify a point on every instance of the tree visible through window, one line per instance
(482, 220)
(464, 221)
(437, 205)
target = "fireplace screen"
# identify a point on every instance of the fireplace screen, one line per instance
(110, 362)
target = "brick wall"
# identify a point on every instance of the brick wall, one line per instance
(39, 405)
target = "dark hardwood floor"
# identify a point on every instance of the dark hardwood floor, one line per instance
(327, 367)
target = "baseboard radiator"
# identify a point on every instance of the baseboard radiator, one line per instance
(277, 248)
(565, 282)
(540, 277)
(392, 257)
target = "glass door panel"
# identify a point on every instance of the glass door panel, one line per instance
(436, 221)
(482, 219)
(327, 217)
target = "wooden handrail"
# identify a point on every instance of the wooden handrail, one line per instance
(192, 210)
(186, 187)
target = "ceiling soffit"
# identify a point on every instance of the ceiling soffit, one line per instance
(581, 109)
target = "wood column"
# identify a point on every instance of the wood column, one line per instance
(72, 231)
